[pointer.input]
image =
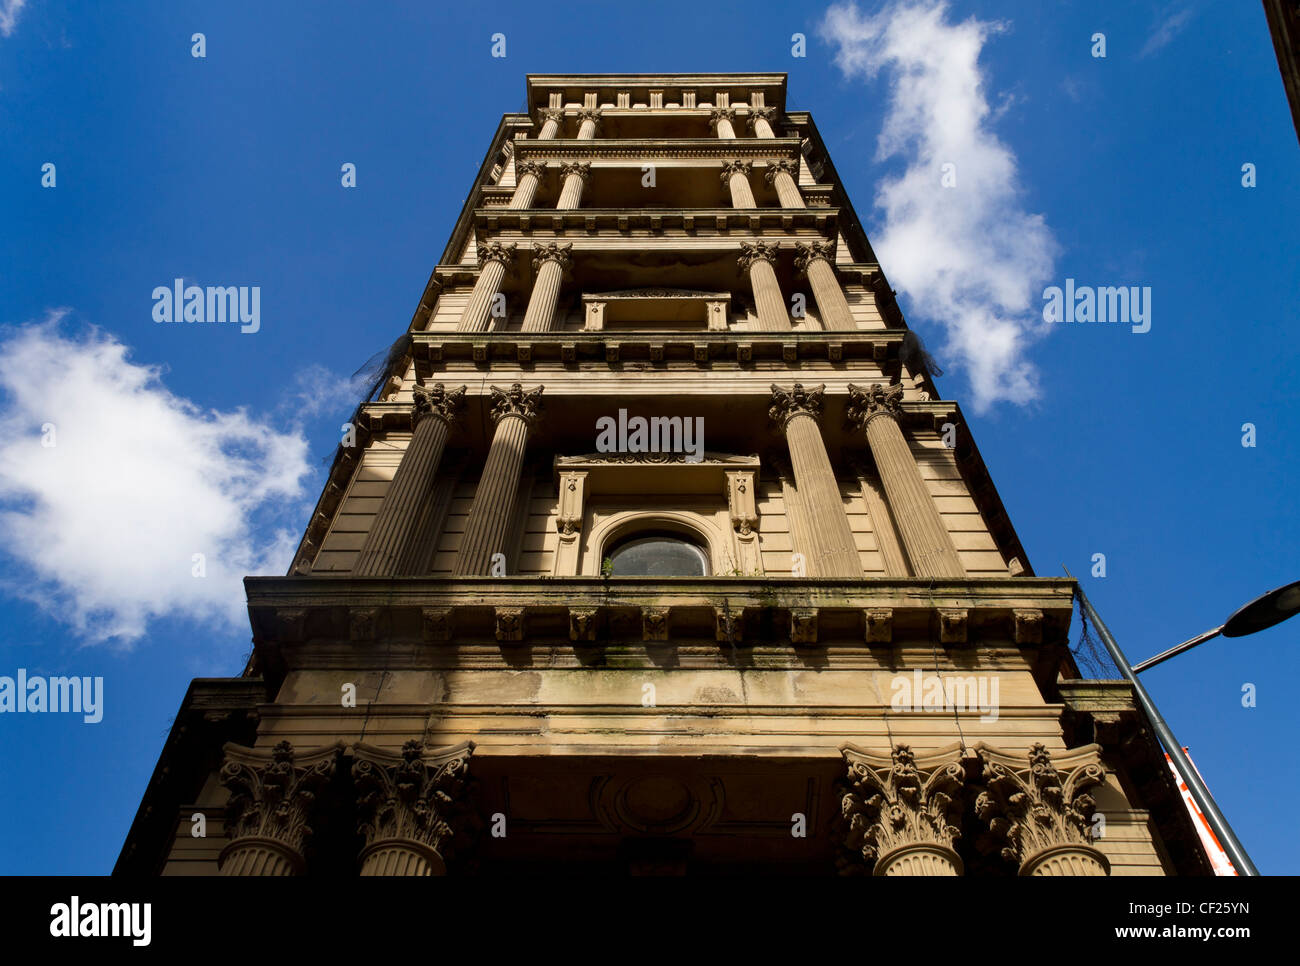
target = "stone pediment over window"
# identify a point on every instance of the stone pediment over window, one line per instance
(657, 308)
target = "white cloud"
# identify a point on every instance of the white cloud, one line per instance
(1168, 28)
(9, 11)
(139, 480)
(969, 257)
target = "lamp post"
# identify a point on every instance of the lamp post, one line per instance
(1263, 612)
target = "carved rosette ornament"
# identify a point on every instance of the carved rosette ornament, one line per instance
(580, 168)
(805, 253)
(273, 796)
(797, 401)
(496, 252)
(414, 807)
(901, 815)
(438, 402)
(515, 402)
(756, 251)
(729, 168)
(562, 255)
(1041, 815)
(536, 168)
(875, 400)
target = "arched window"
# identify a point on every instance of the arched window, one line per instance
(657, 554)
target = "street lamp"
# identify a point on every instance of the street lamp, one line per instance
(1263, 612)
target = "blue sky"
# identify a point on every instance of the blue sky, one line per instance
(1125, 170)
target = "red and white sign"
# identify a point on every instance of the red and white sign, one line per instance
(1218, 858)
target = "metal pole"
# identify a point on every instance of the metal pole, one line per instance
(1176, 649)
(1200, 794)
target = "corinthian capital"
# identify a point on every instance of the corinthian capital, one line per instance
(1031, 806)
(796, 401)
(875, 400)
(805, 253)
(536, 168)
(496, 252)
(776, 167)
(274, 794)
(766, 113)
(551, 114)
(735, 167)
(902, 802)
(752, 252)
(553, 252)
(590, 114)
(438, 401)
(721, 114)
(418, 798)
(515, 402)
(581, 168)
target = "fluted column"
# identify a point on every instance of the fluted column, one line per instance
(758, 260)
(588, 122)
(528, 175)
(575, 176)
(493, 259)
(722, 120)
(817, 261)
(394, 524)
(273, 795)
(1040, 810)
(412, 807)
(831, 551)
(735, 175)
(781, 176)
(551, 121)
(513, 411)
(929, 547)
(759, 121)
(903, 813)
(550, 263)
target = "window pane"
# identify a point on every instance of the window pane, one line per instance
(658, 557)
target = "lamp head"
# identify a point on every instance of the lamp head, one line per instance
(1263, 612)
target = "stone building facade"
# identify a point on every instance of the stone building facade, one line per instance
(659, 552)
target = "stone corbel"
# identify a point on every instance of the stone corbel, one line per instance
(509, 623)
(569, 521)
(595, 316)
(654, 623)
(1029, 626)
(953, 625)
(717, 316)
(744, 520)
(803, 625)
(582, 623)
(879, 625)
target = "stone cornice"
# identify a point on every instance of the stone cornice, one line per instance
(641, 150)
(431, 350)
(691, 221)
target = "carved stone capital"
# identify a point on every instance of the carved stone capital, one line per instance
(439, 402)
(1033, 808)
(581, 168)
(729, 168)
(515, 402)
(874, 400)
(902, 804)
(753, 252)
(721, 114)
(776, 167)
(416, 800)
(807, 252)
(273, 795)
(592, 114)
(766, 113)
(536, 168)
(788, 403)
(553, 252)
(497, 252)
(551, 114)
